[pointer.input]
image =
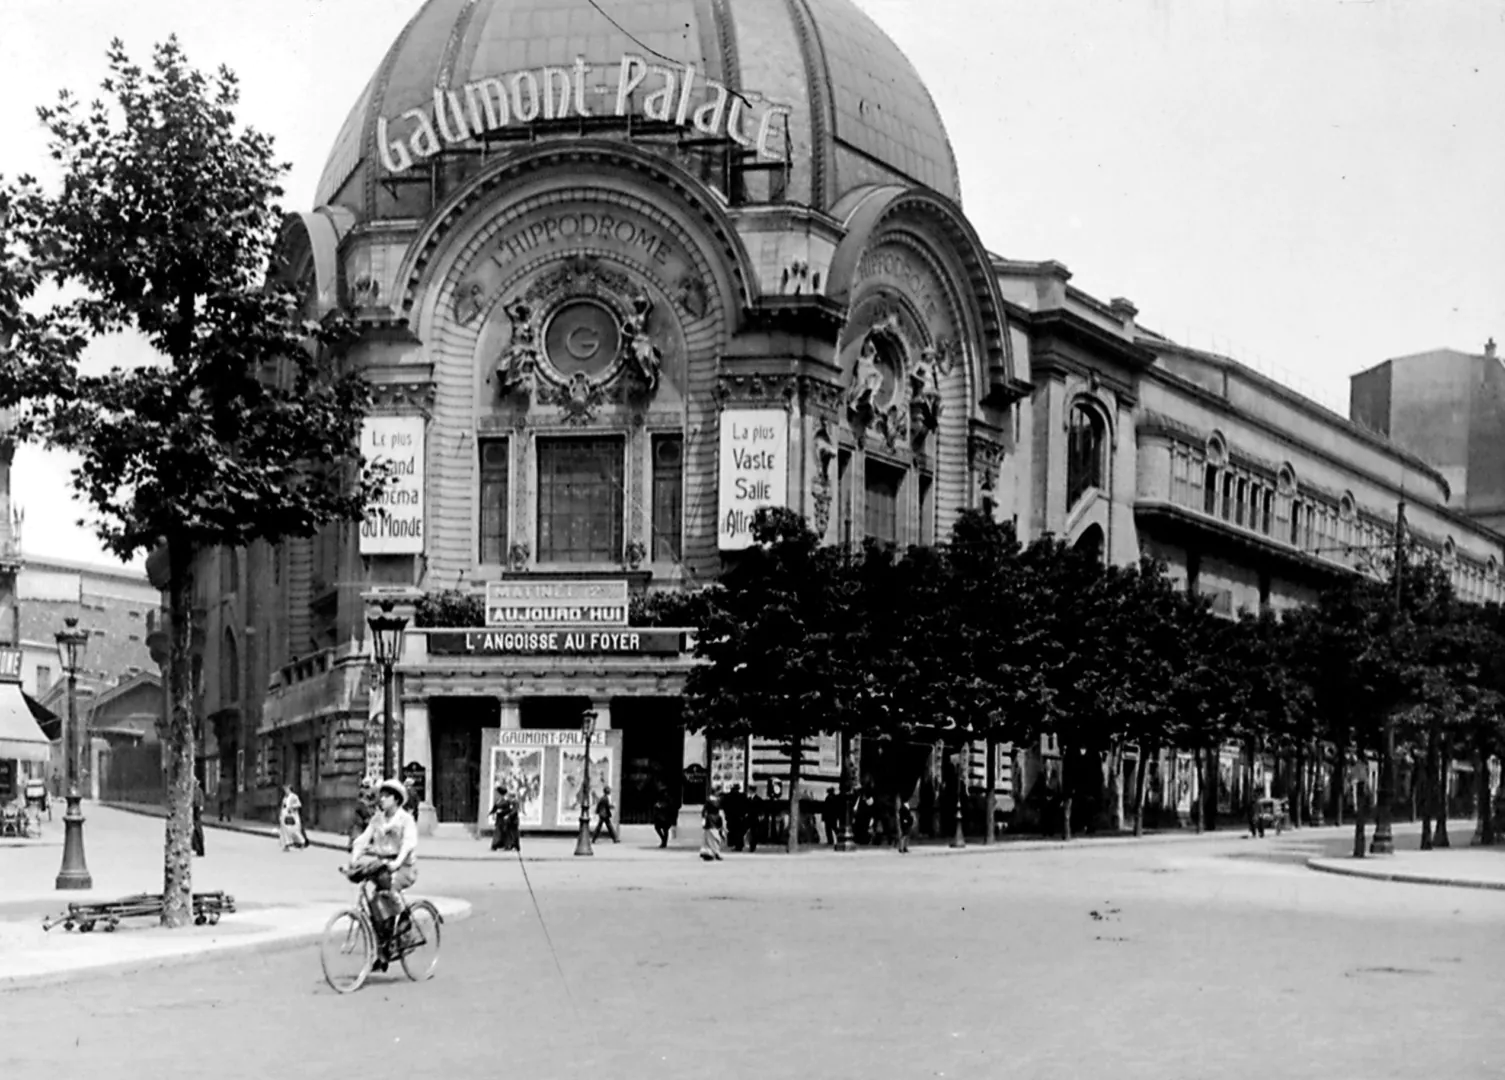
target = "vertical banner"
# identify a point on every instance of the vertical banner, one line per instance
(394, 522)
(754, 471)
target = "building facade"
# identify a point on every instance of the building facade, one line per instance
(611, 302)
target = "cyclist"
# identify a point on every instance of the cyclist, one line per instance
(387, 853)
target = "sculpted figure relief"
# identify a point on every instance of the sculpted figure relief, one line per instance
(514, 371)
(867, 380)
(643, 357)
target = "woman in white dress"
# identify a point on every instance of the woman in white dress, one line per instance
(290, 820)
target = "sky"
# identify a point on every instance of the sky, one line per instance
(1309, 186)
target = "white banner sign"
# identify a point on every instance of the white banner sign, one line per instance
(394, 525)
(754, 471)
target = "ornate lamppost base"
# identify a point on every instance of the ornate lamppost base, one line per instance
(583, 841)
(75, 872)
(845, 841)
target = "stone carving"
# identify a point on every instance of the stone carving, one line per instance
(987, 458)
(516, 368)
(635, 553)
(518, 555)
(469, 303)
(867, 382)
(690, 294)
(925, 392)
(579, 398)
(643, 357)
(822, 499)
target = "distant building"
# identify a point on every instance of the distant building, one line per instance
(1448, 408)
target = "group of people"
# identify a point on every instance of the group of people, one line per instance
(738, 819)
(507, 808)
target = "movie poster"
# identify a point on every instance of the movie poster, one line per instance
(571, 767)
(521, 769)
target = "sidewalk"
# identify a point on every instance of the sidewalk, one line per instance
(281, 901)
(1461, 867)
(640, 842)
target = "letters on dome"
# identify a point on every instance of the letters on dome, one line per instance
(677, 94)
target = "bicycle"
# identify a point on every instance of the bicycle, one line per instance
(353, 935)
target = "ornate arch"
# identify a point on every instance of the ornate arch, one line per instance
(620, 172)
(309, 247)
(868, 214)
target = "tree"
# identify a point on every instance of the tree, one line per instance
(768, 645)
(165, 224)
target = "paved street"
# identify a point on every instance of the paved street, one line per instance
(1220, 958)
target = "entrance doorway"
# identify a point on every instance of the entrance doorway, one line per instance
(552, 713)
(653, 740)
(456, 732)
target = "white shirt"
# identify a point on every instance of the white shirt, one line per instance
(394, 837)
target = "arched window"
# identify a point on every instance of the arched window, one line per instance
(229, 670)
(1215, 460)
(1086, 437)
(1090, 543)
(229, 571)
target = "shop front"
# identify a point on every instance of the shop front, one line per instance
(505, 704)
(24, 749)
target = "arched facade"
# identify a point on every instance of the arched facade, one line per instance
(601, 346)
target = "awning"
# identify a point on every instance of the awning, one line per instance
(21, 739)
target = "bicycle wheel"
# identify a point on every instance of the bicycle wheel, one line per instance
(418, 935)
(347, 950)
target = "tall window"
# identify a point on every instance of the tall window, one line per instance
(495, 493)
(881, 507)
(927, 510)
(1085, 436)
(229, 670)
(844, 497)
(580, 500)
(668, 496)
(1210, 489)
(229, 571)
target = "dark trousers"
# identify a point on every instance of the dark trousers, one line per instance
(610, 827)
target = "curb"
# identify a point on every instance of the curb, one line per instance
(1329, 866)
(232, 948)
(973, 847)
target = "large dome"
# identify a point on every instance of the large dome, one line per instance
(857, 113)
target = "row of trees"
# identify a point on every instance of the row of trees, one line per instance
(985, 639)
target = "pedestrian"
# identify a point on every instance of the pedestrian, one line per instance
(665, 815)
(365, 807)
(197, 840)
(830, 812)
(736, 807)
(712, 831)
(504, 812)
(226, 801)
(906, 824)
(290, 820)
(604, 817)
(1256, 819)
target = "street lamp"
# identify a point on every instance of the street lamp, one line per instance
(75, 872)
(583, 841)
(386, 636)
(846, 841)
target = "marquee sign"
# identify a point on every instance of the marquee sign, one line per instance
(10, 665)
(675, 94)
(556, 603)
(557, 642)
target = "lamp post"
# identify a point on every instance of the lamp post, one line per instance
(583, 841)
(846, 841)
(386, 636)
(1384, 836)
(75, 872)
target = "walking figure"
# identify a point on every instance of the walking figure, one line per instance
(604, 817)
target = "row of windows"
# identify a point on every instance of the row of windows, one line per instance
(1274, 509)
(580, 499)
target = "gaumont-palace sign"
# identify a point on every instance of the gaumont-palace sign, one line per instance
(668, 93)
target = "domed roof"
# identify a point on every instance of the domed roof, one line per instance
(851, 108)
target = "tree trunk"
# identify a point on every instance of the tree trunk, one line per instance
(1338, 754)
(177, 871)
(1210, 790)
(1200, 775)
(1067, 778)
(959, 837)
(989, 830)
(1317, 789)
(1484, 835)
(1145, 756)
(1298, 788)
(1440, 807)
(1358, 820)
(1428, 784)
(792, 842)
(1116, 786)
